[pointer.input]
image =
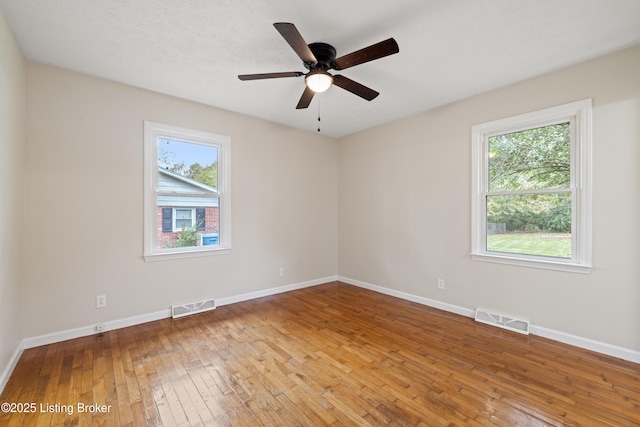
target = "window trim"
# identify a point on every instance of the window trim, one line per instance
(152, 132)
(579, 114)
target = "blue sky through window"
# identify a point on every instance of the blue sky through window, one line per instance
(175, 152)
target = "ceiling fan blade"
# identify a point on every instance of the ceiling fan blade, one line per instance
(270, 75)
(354, 87)
(290, 33)
(305, 99)
(375, 51)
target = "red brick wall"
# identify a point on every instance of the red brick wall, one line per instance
(211, 223)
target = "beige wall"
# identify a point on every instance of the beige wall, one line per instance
(84, 204)
(405, 191)
(12, 163)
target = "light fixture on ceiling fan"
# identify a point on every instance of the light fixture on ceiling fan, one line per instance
(318, 81)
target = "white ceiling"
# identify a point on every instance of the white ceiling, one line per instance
(449, 49)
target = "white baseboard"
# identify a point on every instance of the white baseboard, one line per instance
(585, 343)
(273, 291)
(84, 331)
(8, 370)
(410, 297)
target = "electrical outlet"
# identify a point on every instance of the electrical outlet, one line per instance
(101, 301)
(281, 271)
(440, 283)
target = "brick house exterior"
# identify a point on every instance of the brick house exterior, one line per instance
(186, 203)
(168, 237)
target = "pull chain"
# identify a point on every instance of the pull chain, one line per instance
(318, 114)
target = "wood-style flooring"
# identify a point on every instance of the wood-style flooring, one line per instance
(332, 354)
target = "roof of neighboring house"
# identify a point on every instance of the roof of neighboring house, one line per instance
(179, 191)
(169, 181)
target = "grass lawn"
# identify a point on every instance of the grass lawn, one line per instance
(545, 244)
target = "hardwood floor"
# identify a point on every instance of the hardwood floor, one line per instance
(328, 355)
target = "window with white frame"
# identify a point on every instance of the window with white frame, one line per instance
(531, 194)
(183, 218)
(187, 192)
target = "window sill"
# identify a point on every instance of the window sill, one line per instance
(189, 253)
(533, 263)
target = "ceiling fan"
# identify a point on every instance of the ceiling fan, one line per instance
(318, 58)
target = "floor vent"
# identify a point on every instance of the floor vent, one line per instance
(192, 308)
(502, 320)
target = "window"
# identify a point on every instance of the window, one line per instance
(531, 197)
(187, 193)
(183, 219)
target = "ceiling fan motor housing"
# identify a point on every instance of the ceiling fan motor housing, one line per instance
(324, 53)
